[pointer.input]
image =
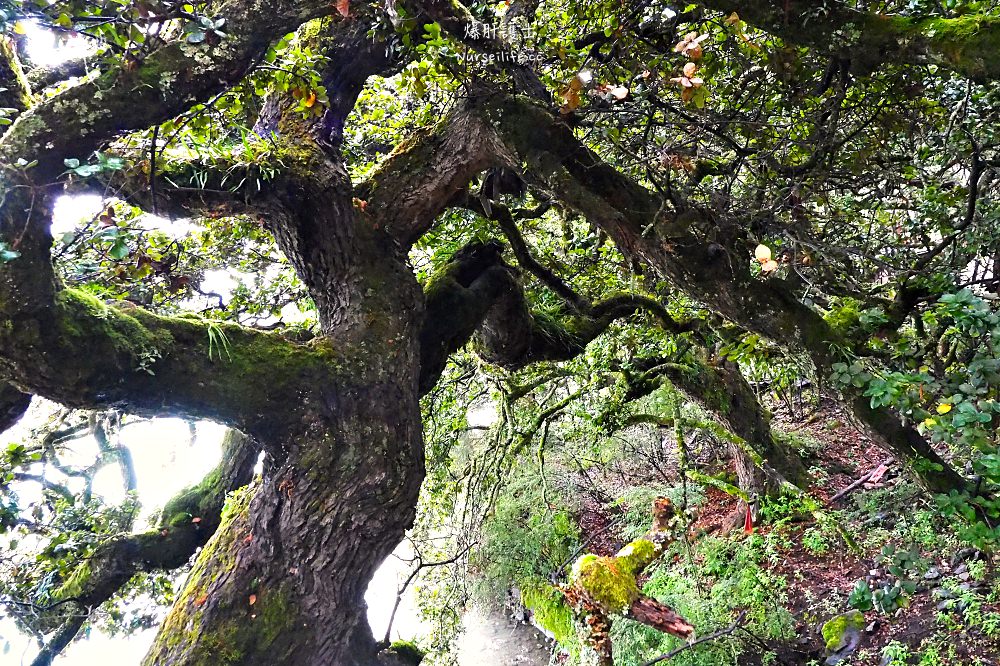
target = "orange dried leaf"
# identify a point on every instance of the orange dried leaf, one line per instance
(196, 519)
(343, 7)
(253, 599)
(200, 601)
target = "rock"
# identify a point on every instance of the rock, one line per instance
(942, 593)
(870, 629)
(932, 574)
(965, 554)
(842, 635)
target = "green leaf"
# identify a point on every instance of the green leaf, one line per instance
(119, 250)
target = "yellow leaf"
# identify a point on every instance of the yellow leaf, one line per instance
(571, 100)
(310, 100)
(732, 19)
(944, 408)
(21, 27)
(928, 422)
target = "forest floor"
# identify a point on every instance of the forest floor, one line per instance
(951, 616)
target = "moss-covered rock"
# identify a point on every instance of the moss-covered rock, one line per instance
(842, 634)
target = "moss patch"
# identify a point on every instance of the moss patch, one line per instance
(606, 581)
(407, 651)
(636, 556)
(551, 612)
(837, 631)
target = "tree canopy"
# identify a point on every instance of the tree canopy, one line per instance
(585, 216)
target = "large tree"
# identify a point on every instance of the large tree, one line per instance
(686, 138)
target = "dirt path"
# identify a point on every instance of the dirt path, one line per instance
(490, 639)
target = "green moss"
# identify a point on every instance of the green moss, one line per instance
(223, 644)
(606, 581)
(835, 631)
(407, 651)
(551, 612)
(14, 88)
(969, 43)
(77, 583)
(844, 317)
(85, 320)
(196, 501)
(636, 556)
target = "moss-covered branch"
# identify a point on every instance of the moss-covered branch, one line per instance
(602, 588)
(155, 365)
(965, 44)
(80, 119)
(424, 173)
(457, 299)
(647, 230)
(15, 95)
(186, 523)
(721, 390)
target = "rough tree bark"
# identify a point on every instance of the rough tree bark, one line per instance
(282, 580)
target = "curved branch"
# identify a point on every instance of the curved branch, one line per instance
(721, 390)
(647, 231)
(505, 220)
(187, 521)
(419, 179)
(457, 298)
(965, 44)
(77, 121)
(153, 365)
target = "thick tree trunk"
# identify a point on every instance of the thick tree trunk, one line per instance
(283, 580)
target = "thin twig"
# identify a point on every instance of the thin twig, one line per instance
(710, 637)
